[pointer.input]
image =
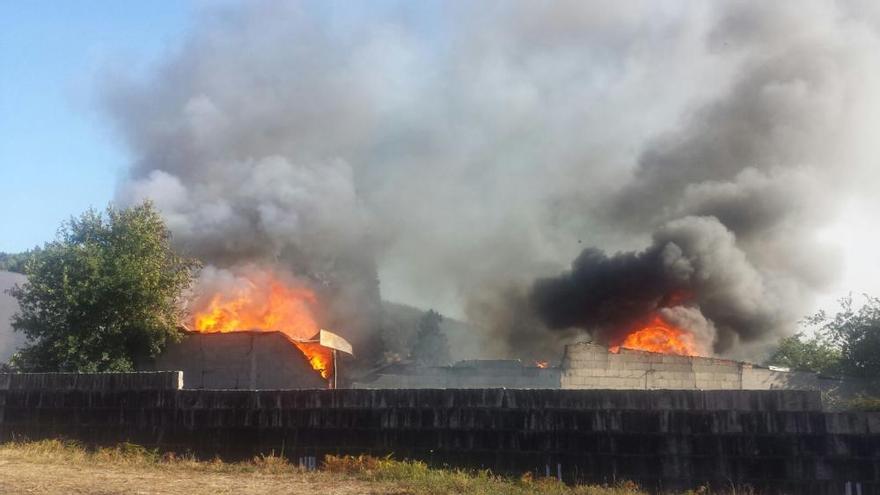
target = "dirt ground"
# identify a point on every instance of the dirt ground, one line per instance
(18, 475)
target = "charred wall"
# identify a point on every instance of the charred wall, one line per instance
(777, 441)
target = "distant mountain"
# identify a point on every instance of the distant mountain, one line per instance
(9, 340)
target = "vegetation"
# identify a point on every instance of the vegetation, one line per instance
(845, 343)
(855, 334)
(106, 293)
(865, 403)
(803, 353)
(68, 467)
(431, 347)
(14, 262)
(417, 478)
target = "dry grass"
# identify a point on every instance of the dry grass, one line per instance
(417, 478)
(56, 467)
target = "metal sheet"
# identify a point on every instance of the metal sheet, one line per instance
(333, 341)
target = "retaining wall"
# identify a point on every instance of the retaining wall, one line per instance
(776, 441)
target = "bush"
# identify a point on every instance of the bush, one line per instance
(866, 403)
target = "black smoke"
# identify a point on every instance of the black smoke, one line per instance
(608, 293)
(693, 273)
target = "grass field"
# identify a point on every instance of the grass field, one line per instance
(57, 467)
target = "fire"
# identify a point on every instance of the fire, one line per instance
(660, 336)
(319, 357)
(542, 364)
(267, 304)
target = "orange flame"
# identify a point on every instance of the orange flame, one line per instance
(268, 306)
(542, 364)
(660, 336)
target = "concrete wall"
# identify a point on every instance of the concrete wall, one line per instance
(465, 374)
(240, 360)
(161, 380)
(776, 441)
(588, 365)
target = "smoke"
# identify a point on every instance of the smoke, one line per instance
(458, 153)
(742, 186)
(693, 272)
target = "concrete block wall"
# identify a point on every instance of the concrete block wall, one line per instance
(588, 365)
(761, 378)
(775, 441)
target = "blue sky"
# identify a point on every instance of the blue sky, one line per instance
(58, 154)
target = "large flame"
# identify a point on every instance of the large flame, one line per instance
(267, 305)
(658, 335)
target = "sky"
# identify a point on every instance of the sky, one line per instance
(58, 155)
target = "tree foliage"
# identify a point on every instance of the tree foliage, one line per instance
(846, 343)
(15, 262)
(855, 333)
(431, 347)
(105, 294)
(803, 353)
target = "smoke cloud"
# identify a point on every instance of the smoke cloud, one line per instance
(693, 272)
(462, 154)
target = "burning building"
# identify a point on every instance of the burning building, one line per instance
(262, 333)
(254, 360)
(258, 330)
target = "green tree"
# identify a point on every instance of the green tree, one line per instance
(15, 262)
(431, 347)
(855, 333)
(102, 296)
(845, 343)
(802, 353)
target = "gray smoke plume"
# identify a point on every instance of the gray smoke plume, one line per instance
(458, 152)
(742, 186)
